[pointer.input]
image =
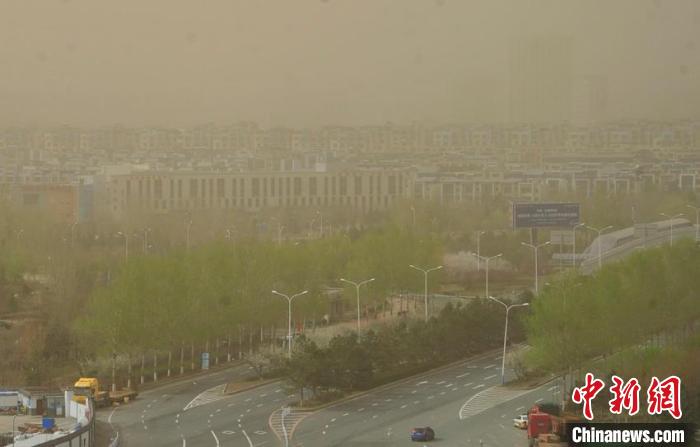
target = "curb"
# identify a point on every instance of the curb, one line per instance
(253, 386)
(394, 384)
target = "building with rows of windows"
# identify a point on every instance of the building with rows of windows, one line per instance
(361, 189)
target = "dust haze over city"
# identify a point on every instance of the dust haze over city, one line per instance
(349, 223)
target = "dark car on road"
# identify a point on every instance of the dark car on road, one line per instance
(422, 434)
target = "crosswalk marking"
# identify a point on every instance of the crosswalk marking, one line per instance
(488, 398)
(291, 420)
(206, 397)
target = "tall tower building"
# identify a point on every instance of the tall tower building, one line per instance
(540, 79)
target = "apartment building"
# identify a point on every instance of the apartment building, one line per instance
(161, 192)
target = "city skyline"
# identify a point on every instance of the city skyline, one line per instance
(328, 63)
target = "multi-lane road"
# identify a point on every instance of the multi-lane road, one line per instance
(458, 401)
(195, 412)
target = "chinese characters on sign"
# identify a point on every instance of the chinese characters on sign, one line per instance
(662, 395)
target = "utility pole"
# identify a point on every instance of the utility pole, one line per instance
(425, 273)
(357, 290)
(536, 248)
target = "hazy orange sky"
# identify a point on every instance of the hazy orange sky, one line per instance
(309, 63)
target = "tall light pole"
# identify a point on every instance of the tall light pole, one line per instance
(125, 235)
(536, 248)
(478, 250)
(280, 228)
(413, 211)
(357, 290)
(72, 233)
(573, 253)
(697, 221)
(600, 242)
(145, 239)
(425, 273)
(188, 227)
(289, 327)
(505, 334)
(672, 218)
(487, 260)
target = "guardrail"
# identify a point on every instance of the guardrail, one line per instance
(82, 437)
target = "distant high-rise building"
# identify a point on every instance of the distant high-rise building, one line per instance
(540, 79)
(589, 103)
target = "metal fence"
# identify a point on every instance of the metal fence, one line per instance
(83, 437)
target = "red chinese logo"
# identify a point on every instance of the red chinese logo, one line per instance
(587, 393)
(665, 396)
(661, 396)
(625, 396)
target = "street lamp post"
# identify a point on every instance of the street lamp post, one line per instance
(600, 242)
(425, 273)
(573, 253)
(145, 239)
(413, 211)
(72, 233)
(289, 327)
(505, 334)
(188, 227)
(125, 235)
(672, 218)
(536, 248)
(487, 259)
(478, 250)
(357, 290)
(697, 221)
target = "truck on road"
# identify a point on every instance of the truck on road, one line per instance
(89, 387)
(546, 427)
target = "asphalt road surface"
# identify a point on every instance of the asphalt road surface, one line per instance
(437, 399)
(194, 412)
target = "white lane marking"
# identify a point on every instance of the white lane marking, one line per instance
(184, 442)
(539, 400)
(552, 388)
(519, 408)
(462, 375)
(361, 409)
(215, 438)
(228, 432)
(413, 392)
(490, 366)
(487, 399)
(478, 386)
(468, 384)
(109, 419)
(403, 406)
(250, 443)
(346, 414)
(421, 383)
(449, 385)
(490, 377)
(440, 382)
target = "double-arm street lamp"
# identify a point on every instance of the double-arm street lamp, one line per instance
(125, 235)
(672, 218)
(573, 257)
(600, 231)
(425, 273)
(505, 334)
(697, 221)
(536, 248)
(478, 250)
(289, 327)
(357, 290)
(487, 260)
